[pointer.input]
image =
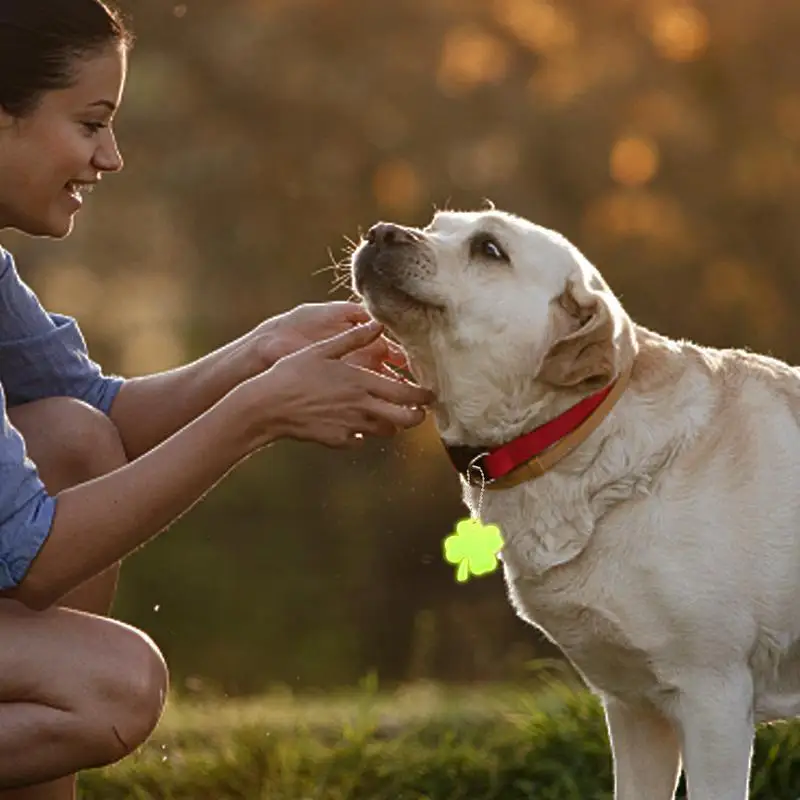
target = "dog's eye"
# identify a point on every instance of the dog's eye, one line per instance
(487, 246)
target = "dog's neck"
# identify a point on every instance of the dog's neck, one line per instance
(490, 421)
(480, 405)
(481, 410)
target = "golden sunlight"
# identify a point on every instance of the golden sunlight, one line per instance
(627, 213)
(537, 24)
(634, 160)
(680, 32)
(397, 187)
(471, 57)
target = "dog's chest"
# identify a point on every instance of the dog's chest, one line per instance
(580, 605)
(596, 638)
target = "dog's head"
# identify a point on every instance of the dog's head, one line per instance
(499, 316)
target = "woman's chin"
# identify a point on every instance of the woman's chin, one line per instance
(54, 226)
(62, 230)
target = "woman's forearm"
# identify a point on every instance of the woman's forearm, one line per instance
(98, 523)
(147, 410)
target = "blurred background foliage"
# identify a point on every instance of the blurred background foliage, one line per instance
(661, 136)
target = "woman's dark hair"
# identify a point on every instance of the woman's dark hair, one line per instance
(41, 41)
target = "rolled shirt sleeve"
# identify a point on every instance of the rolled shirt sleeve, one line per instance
(44, 354)
(26, 510)
(41, 355)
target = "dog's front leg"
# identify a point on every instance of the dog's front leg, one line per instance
(646, 751)
(714, 714)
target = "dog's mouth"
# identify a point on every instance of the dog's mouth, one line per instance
(381, 278)
(394, 298)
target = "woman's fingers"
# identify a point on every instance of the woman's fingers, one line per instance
(331, 397)
(353, 312)
(395, 354)
(399, 392)
(346, 342)
(390, 416)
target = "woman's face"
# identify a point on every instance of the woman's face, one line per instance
(51, 155)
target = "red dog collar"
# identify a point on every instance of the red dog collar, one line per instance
(532, 454)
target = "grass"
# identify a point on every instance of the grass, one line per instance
(422, 742)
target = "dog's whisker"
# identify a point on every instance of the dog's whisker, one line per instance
(325, 269)
(340, 283)
(337, 286)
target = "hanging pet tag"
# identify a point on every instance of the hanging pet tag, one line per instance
(474, 546)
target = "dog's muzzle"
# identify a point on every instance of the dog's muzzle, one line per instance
(381, 252)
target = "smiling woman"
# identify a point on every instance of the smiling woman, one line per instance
(92, 467)
(62, 73)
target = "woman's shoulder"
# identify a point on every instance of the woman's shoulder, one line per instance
(6, 260)
(7, 265)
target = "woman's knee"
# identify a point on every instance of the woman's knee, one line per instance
(144, 690)
(128, 698)
(69, 441)
(81, 690)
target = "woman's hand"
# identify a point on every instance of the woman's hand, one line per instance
(318, 394)
(312, 322)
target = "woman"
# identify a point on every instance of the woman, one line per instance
(113, 462)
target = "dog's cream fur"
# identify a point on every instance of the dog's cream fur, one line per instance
(663, 555)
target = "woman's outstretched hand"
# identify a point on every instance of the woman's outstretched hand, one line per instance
(321, 393)
(312, 322)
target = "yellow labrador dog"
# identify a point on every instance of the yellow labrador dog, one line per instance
(648, 490)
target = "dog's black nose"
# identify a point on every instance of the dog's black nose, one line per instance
(386, 234)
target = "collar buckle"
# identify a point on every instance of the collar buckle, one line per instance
(479, 477)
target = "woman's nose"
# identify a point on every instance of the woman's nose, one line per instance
(107, 157)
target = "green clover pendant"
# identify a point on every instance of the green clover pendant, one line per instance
(474, 548)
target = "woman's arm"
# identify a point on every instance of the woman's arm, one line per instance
(148, 410)
(45, 355)
(99, 522)
(313, 396)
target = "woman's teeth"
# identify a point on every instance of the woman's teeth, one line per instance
(77, 190)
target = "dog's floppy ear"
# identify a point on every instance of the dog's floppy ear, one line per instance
(588, 355)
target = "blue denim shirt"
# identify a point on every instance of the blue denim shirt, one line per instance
(41, 355)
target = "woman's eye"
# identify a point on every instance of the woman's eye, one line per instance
(93, 127)
(488, 247)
